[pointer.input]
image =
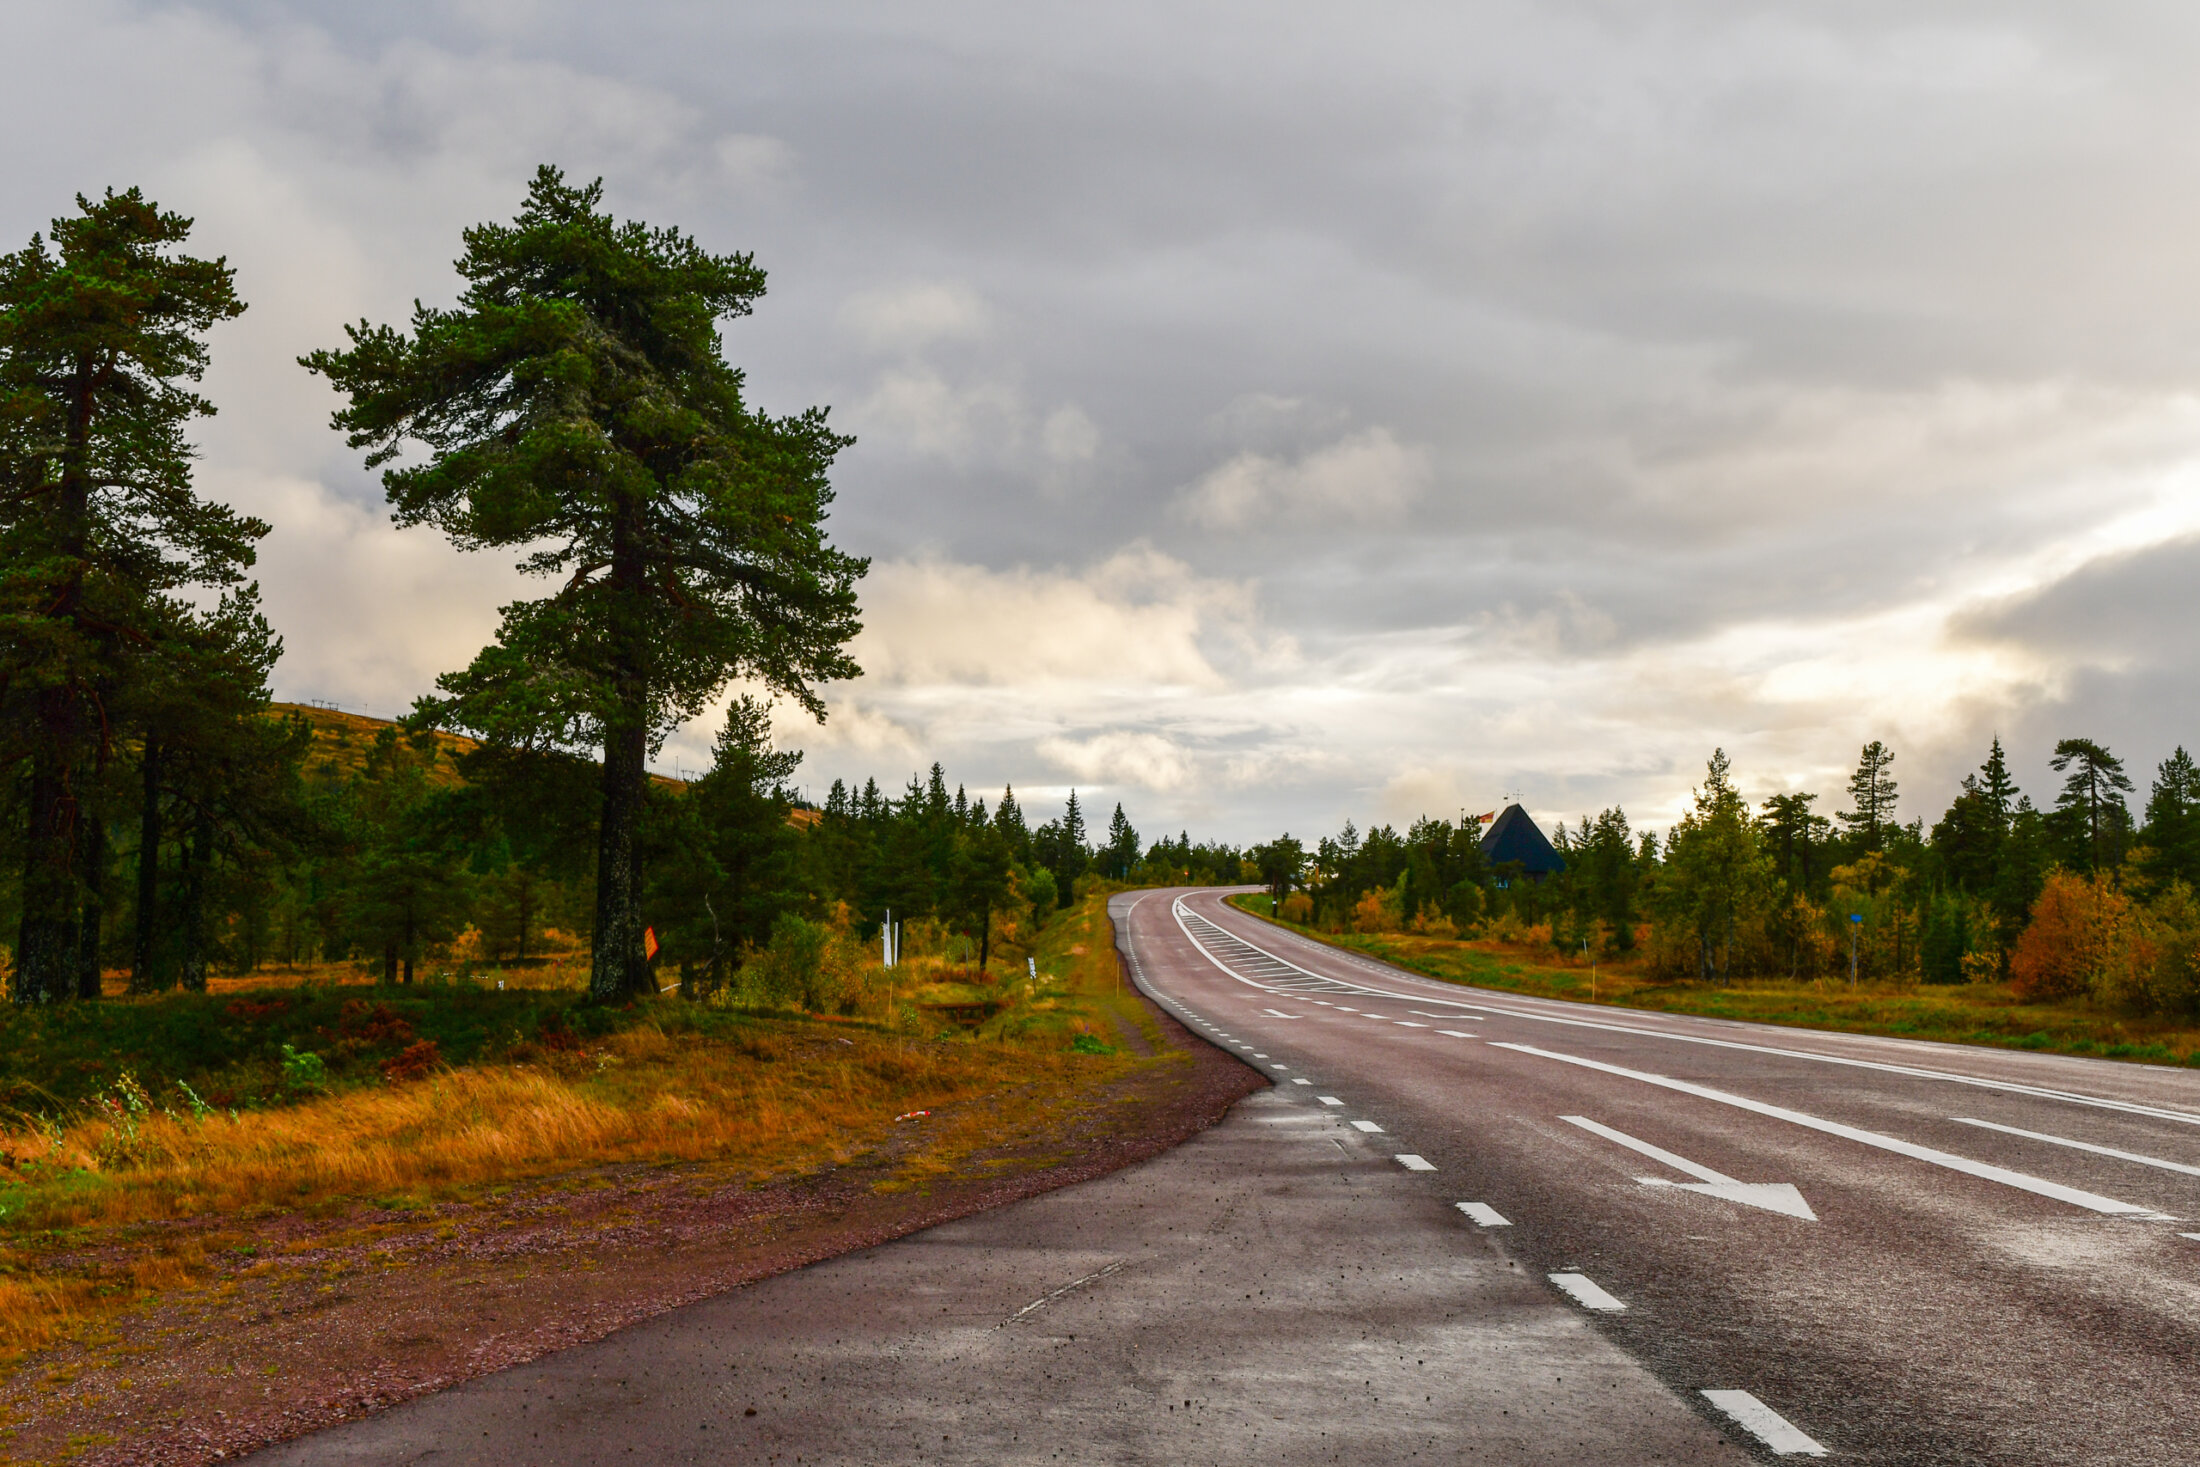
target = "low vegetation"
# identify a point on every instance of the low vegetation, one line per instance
(1989, 1011)
(361, 1104)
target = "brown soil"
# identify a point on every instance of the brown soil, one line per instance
(333, 1319)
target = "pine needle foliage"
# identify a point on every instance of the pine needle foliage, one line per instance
(576, 403)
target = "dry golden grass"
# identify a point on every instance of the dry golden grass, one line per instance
(762, 1097)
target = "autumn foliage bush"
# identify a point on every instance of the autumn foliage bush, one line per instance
(2088, 939)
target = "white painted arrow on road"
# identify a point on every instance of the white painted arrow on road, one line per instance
(1781, 1197)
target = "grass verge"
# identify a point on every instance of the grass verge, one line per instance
(114, 1193)
(1971, 1013)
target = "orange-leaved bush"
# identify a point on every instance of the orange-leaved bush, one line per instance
(2070, 939)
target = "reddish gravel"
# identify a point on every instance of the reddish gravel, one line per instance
(267, 1352)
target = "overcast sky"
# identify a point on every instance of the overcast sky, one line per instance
(1275, 413)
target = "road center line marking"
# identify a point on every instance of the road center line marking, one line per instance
(1368, 1126)
(2167, 1166)
(1455, 1034)
(1058, 1293)
(1483, 1213)
(1765, 1424)
(1302, 1081)
(1408, 1024)
(1583, 1291)
(1329, 1100)
(1414, 1163)
(2091, 1201)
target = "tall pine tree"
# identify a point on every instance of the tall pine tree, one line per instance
(101, 333)
(576, 402)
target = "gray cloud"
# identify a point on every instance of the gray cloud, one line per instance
(1481, 396)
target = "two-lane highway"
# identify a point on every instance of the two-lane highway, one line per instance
(1901, 1252)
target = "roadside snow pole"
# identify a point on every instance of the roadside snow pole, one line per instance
(1856, 920)
(886, 940)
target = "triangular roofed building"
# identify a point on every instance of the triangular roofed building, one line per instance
(1513, 837)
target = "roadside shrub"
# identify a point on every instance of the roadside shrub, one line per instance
(785, 973)
(413, 1063)
(303, 1072)
(1298, 907)
(1376, 912)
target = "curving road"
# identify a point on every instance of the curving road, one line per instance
(1881, 1250)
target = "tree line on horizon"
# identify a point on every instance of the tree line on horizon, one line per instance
(2081, 899)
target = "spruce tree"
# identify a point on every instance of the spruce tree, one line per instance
(101, 333)
(576, 402)
(1873, 791)
(2173, 819)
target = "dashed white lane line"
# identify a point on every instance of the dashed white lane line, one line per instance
(1455, 1034)
(1455, 1018)
(1302, 1080)
(1765, 1424)
(1483, 1213)
(1368, 1126)
(1260, 1056)
(1279, 1067)
(1414, 1163)
(2091, 1201)
(1408, 1024)
(2167, 1166)
(1583, 1291)
(1329, 1100)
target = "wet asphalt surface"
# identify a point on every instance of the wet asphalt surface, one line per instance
(1894, 1281)
(2046, 1312)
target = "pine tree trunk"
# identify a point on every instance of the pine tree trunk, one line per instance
(45, 952)
(196, 860)
(985, 935)
(95, 908)
(143, 955)
(618, 968)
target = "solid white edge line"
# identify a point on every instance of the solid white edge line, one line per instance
(2091, 1201)
(2167, 1166)
(1765, 1424)
(2009, 1086)
(1583, 1291)
(1483, 1213)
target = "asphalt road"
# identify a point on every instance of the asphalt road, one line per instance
(1465, 1226)
(1907, 1252)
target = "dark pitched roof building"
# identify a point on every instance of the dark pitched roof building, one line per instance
(1514, 837)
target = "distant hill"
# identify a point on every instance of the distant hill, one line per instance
(343, 739)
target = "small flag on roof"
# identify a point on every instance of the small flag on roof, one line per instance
(1485, 819)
